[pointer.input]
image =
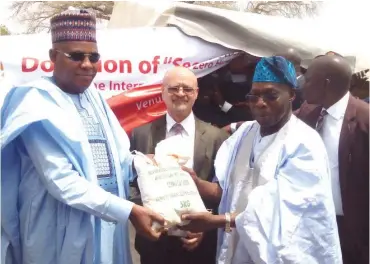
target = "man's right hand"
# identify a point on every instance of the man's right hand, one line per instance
(192, 241)
(142, 219)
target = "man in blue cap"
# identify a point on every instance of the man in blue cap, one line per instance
(292, 56)
(66, 163)
(272, 182)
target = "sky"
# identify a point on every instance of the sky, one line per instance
(338, 11)
(12, 24)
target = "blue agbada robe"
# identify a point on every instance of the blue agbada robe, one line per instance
(52, 208)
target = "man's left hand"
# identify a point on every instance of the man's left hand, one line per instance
(192, 240)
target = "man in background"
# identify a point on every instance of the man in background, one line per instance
(221, 99)
(293, 56)
(360, 85)
(343, 123)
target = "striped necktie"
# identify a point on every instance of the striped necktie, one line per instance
(320, 120)
(177, 129)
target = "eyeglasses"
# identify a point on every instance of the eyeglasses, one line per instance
(176, 89)
(80, 56)
(268, 97)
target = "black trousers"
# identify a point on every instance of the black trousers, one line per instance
(353, 252)
(169, 250)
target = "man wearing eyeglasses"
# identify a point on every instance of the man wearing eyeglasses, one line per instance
(201, 142)
(293, 56)
(66, 163)
(273, 183)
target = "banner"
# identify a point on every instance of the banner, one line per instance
(130, 58)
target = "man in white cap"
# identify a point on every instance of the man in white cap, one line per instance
(66, 164)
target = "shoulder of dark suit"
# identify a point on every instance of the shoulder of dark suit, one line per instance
(362, 113)
(305, 109)
(146, 128)
(212, 130)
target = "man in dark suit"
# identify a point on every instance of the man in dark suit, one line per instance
(221, 99)
(179, 91)
(343, 122)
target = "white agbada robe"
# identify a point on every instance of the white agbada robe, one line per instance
(280, 186)
(53, 210)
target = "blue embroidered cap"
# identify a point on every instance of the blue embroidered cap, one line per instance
(275, 69)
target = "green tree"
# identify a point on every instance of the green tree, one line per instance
(4, 30)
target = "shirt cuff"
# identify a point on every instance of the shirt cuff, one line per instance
(233, 127)
(226, 107)
(119, 209)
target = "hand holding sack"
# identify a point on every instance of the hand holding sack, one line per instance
(165, 188)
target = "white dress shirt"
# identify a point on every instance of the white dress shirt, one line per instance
(332, 126)
(188, 134)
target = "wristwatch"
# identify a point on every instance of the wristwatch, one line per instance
(228, 223)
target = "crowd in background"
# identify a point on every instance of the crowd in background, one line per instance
(222, 94)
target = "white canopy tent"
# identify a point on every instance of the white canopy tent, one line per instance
(258, 35)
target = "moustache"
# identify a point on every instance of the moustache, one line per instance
(180, 100)
(86, 73)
